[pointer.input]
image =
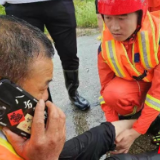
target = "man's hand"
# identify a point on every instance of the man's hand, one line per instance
(45, 143)
(124, 140)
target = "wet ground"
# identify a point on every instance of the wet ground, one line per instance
(77, 122)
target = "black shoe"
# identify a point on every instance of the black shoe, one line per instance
(153, 155)
(72, 83)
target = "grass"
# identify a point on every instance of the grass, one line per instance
(85, 13)
(2, 11)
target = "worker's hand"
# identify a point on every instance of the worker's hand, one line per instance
(124, 140)
(45, 143)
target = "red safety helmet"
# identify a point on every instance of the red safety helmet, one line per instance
(119, 7)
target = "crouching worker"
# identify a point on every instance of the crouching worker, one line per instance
(128, 63)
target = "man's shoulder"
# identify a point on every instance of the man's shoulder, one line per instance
(6, 150)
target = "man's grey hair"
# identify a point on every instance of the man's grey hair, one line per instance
(20, 44)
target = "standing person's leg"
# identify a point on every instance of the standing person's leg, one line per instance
(92, 144)
(28, 12)
(61, 24)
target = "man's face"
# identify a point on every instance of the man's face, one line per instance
(121, 26)
(39, 77)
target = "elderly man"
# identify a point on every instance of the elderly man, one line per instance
(59, 19)
(26, 59)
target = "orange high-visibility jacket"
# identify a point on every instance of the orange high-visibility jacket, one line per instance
(6, 150)
(114, 60)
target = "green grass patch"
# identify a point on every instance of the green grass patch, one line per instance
(2, 11)
(85, 13)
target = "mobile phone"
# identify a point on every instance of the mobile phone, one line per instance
(16, 108)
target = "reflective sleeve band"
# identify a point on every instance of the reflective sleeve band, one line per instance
(152, 102)
(101, 100)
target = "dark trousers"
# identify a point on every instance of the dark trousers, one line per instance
(90, 145)
(96, 4)
(59, 18)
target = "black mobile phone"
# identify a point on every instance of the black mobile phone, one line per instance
(16, 108)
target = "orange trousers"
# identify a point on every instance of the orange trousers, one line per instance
(123, 97)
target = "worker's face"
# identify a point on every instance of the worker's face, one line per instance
(121, 26)
(39, 77)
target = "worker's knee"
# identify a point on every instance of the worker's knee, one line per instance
(118, 90)
(112, 97)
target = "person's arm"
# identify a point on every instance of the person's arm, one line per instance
(149, 113)
(45, 143)
(152, 105)
(92, 144)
